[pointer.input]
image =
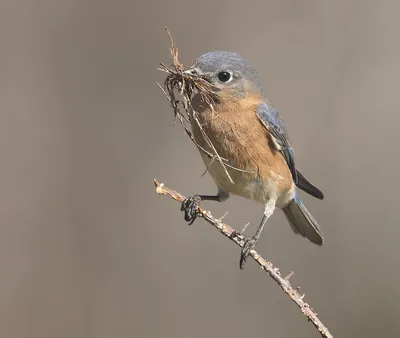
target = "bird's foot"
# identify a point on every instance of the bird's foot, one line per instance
(249, 245)
(190, 206)
(240, 233)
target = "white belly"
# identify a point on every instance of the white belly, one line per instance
(245, 185)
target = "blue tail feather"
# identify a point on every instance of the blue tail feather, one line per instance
(302, 222)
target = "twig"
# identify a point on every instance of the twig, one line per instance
(268, 267)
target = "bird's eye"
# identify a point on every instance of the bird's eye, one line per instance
(224, 76)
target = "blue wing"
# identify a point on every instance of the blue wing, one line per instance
(271, 120)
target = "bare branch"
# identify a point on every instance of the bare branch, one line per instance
(273, 272)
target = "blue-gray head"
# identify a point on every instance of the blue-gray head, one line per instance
(229, 72)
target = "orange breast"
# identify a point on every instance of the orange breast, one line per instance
(238, 136)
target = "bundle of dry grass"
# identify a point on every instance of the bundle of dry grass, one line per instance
(187, 85)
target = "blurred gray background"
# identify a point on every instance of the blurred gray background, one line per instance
(87, 249)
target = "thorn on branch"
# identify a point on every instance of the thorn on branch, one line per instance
(289, 275)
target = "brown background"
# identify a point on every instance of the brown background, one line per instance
(87, 249)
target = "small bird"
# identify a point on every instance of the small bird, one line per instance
(248, 133)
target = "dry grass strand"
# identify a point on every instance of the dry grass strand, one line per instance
(187, 85)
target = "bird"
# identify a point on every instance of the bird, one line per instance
(248, 133)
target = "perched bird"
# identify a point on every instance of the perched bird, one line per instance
(248, 133)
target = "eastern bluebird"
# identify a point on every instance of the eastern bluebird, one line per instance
(248, 132)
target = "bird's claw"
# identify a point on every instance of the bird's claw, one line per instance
(249, 245)
(190, 206)
(240, 233)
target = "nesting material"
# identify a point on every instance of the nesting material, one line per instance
(179, 88)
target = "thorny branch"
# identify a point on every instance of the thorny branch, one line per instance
(268, 267)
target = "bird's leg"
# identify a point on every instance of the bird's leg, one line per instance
(190, 205)
(251, 242)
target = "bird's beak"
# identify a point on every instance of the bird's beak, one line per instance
(196, 72)
(192, 71)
